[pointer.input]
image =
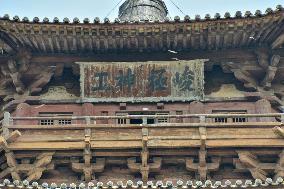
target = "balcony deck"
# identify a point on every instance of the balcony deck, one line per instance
(263, 131)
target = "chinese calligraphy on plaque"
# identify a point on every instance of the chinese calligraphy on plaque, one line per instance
(143, 81)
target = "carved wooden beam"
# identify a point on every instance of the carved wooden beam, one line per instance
(40, 165)
(269, 167)
(13, 71)
(271, 71)
(263, 57)
(10, 157)
(43, 77)
(251, 162)
(16, 76)
(242, 75)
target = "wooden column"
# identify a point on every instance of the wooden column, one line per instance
(196, 107)
(23, 110)
(88, 153)
(145, 167)
(88, 168)
(6, 124)
(202, 168)
(263, 106)
(144, 156)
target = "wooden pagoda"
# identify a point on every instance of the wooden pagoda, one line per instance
(144, 101)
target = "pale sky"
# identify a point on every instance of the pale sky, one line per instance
(100, 8)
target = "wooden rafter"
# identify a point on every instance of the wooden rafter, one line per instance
(180, 35)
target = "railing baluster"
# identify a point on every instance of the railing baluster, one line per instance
(144, 120)
(202, 119)
(88, 120)
(282, 118)
(6, 124)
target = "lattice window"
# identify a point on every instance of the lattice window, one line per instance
(46, 122)
(221, 120)
(122, 121)
(64, 122)
(162, 119)
(229, 120)
(53, 121)
(239, 119)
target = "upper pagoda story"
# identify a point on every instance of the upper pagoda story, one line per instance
(132, 10)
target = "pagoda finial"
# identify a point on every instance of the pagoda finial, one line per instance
(135, 10)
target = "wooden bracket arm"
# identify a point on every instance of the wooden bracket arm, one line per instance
(156, 165)
(132, 165)
(99, 166)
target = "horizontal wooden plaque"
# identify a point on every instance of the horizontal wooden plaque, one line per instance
(142, 81)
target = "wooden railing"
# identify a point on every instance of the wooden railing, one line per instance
(200, 119)
(200, 130)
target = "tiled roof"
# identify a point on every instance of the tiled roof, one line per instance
(197, 18)
(269, 183)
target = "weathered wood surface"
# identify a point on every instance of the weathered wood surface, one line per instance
(122, 137)
(142, 81)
